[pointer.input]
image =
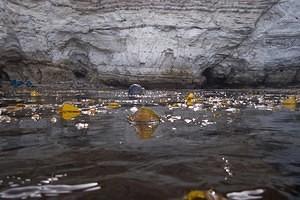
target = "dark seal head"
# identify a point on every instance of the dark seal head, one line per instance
(135, 89)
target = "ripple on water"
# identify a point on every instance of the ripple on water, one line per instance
(232, 142)
(46, 190)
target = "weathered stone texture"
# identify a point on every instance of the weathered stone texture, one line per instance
(154, 42)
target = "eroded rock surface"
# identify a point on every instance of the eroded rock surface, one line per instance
(156, 42)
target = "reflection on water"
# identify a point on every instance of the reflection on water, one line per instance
(145, 131)
(46, 190)
(231, 144)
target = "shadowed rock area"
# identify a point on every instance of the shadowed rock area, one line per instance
(182, 43)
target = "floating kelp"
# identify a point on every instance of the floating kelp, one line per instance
(69, 107)
(113, 105)
(144, 115)
(145, 131)
(291, 100)
(290, 103)
(34, 93)
(69, 111)
(203, 195)
(69, 115)
(145, 121)
(190, 99)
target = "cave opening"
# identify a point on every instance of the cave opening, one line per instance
(212, 81)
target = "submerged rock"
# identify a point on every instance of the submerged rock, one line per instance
(135, 89)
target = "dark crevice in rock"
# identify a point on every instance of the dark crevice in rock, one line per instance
(80, 73)
(212, 81)
(4, 75)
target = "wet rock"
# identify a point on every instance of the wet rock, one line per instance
(165, 43)
(135, 89)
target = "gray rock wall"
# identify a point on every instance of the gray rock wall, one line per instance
(155, 42)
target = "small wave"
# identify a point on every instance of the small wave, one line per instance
(46, 190)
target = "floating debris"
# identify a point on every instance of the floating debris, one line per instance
(145, 131)
(68, 107)
(145, 121)
(188, 121)
(113, 105)
(290, 103)
(133, 109)
(247, 194)
(173, 118)
(144, 115)
(203, 195)
(12, 109)
(36, 117)
(34, 94)
(53, 120)
(190, 99)
(174, 106)
(69, 111)
(233, 110)
(290, 100)
(5, 118)
(90, 111)
(80, 126)
(69, 115)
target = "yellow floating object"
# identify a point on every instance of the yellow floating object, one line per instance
(113, 105)
(291, 100)
(34, 93)
(144, 115)
(69, 111)
(203, 195)
(20, 105)
(145, 131)
(195, 195)
(190, 96)
(15, 108)
(290, 103)
(175, 105)
(190, 99)
(68, 107)
(69, 115)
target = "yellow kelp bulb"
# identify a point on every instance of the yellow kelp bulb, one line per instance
(144, 130)
(69, 115)
(190, 99)
(69, 111)
(143, 115)
(113, 105)
(68, 107)
(190, 96)
(291, 100)
(195, 195)
(204, 195)
(20, 105)
(34, 93)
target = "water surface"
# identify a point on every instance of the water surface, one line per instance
(230, 141)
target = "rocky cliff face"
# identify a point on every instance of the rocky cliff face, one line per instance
(155, 42)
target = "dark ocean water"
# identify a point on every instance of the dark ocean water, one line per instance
(242, 144)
